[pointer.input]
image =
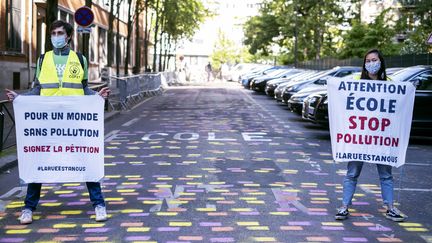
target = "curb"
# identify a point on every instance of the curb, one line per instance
(8, 157)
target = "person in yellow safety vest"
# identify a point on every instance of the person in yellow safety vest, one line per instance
(61, 72)
(373, 69)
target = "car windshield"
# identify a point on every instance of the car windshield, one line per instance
(316, 76)
(275, 72)
(405, 74)
(304, 75)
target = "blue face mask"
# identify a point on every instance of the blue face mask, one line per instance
(373, 67)
(58, 41)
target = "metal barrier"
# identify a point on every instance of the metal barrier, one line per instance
(130, 90)
(171, 77)
(7, 125)
(126, 92)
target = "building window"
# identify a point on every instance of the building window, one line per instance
(103, 55)
(13, 23)
(92, 46)
(122, 50)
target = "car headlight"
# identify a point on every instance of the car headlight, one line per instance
(325, 102)
(299, 98)
(289, 89)
(314, 99)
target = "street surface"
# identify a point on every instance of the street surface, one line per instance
(219, 163)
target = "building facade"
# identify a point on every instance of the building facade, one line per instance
(370, 9)
(23, 38)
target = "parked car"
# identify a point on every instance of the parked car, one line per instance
(311, 104)
(421, 78)
(295, 103)
(278, 92)
(235, 72)
(317, 80)
(315, 107)
(273, 84)
(259, 83)
(247, 78)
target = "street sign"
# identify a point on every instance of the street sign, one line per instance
(429, 40)
(84, 16)
(83, 30)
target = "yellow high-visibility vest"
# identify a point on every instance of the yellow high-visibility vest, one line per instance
(71, 81)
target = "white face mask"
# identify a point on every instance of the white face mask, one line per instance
(373, 67)
(58, 41)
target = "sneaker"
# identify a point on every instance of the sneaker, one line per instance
(394, 215)
(342, 214)
(26, 216)
(101, 214)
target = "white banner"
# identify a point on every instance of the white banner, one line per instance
(370, 121)
(60, 138)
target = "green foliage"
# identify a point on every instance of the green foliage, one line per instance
(416, 25)
(225, 51)
(260, 30)
(333, 28)
(363, 37)
(183, 18)
(311, 22)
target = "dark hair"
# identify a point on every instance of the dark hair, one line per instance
(60, 23)
(382, 75)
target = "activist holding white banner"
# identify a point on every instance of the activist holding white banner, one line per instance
(370, 121)
(60, 72)
(60, 139)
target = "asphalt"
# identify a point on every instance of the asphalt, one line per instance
(222, 164)
(8, 156)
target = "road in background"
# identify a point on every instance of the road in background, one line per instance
(223, 164)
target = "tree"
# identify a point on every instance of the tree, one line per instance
(260, 31)
(111, 35)
(415, 25)
(180, 21)
(51, 16)
(147, 3)
(362, 37)
(224, 51)
(156, 31)
(303, 30)
(129, 33)
(118, 38)
(139, 7)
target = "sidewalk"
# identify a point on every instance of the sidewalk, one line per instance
(8, 157)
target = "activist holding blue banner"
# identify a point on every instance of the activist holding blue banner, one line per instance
(61, 78)
(370, 121)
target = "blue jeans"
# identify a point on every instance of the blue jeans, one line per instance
(34, 189)
(350, 182)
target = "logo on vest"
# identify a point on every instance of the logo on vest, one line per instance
(74, 70)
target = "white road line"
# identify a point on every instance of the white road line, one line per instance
(130, 122)
(109, 136)
(413, 189)
(419, 164)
